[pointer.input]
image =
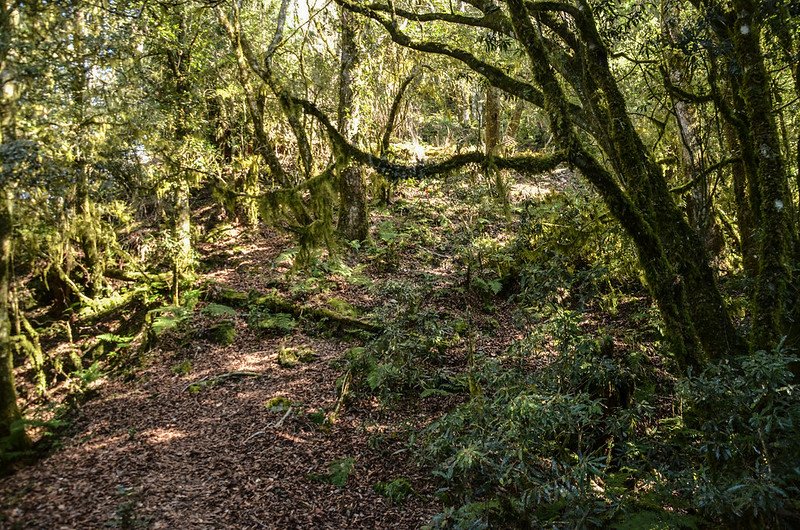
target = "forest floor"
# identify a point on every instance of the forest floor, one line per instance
(205, 435)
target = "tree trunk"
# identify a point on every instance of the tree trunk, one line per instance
(696, 318)
(180, 60)
(491, 121)
(182, 231)
(698, 203)
(776, 238)
(491, 137)
(353, 223)
(12, 434)
(513, 126)
(744, 211)
(83, 207)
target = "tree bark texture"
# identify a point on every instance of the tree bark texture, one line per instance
(353, 222)
(179, 61)
(776, 231)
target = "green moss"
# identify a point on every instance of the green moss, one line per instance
(278, 404)
(277, 323)
(291, 356)
(343, 307)
(182, 368)
(222, 333)
(231, 297)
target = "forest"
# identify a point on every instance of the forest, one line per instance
(399, 264)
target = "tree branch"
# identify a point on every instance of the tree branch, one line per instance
(529, 164)
(689, 185)
(393, 111)
(494, 20)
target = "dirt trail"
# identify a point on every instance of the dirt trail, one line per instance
(153, 454)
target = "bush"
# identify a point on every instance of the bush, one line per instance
(404, 359)
(741, 417)
(562, 448)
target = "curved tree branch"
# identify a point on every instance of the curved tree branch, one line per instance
(493, 19)
(495, 76)
(395, 108)
(529, 164)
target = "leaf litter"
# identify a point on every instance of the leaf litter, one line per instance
(197, 441)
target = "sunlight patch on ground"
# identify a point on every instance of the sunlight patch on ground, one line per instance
(102, 444)
(522, 191)
(160, 435)
(291, 438)
(257, 361)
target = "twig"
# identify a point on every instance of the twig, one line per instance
(258, 433)
(434, 253)
(276, 424)
(280, 421)
(348, 377)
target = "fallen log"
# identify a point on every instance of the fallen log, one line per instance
(278, 304)
(98, 309)
(213, 380)
(138, 276)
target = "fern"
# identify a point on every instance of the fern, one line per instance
(218, 310)
(169, 317)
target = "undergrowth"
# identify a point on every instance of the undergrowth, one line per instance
(580, 424)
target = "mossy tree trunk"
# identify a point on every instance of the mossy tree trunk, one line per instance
(773, 204)
(776, 233)
(491, 121)
(179, 59)
(353, 222)
(744, 208)
(672, 256)
(12, 436)
(514, 123)
(84, 211)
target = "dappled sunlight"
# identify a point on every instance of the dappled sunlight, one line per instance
(161, 435)
(258, 361)
(358, 265)
(292, 438)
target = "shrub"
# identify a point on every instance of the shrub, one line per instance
(564, 448)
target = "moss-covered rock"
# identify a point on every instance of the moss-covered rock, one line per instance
(223, 332)
(342, 307)
(230, 297)
(291, 356)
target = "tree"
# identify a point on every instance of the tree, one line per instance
(12, 436)
(353, 222)
(573, 77)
